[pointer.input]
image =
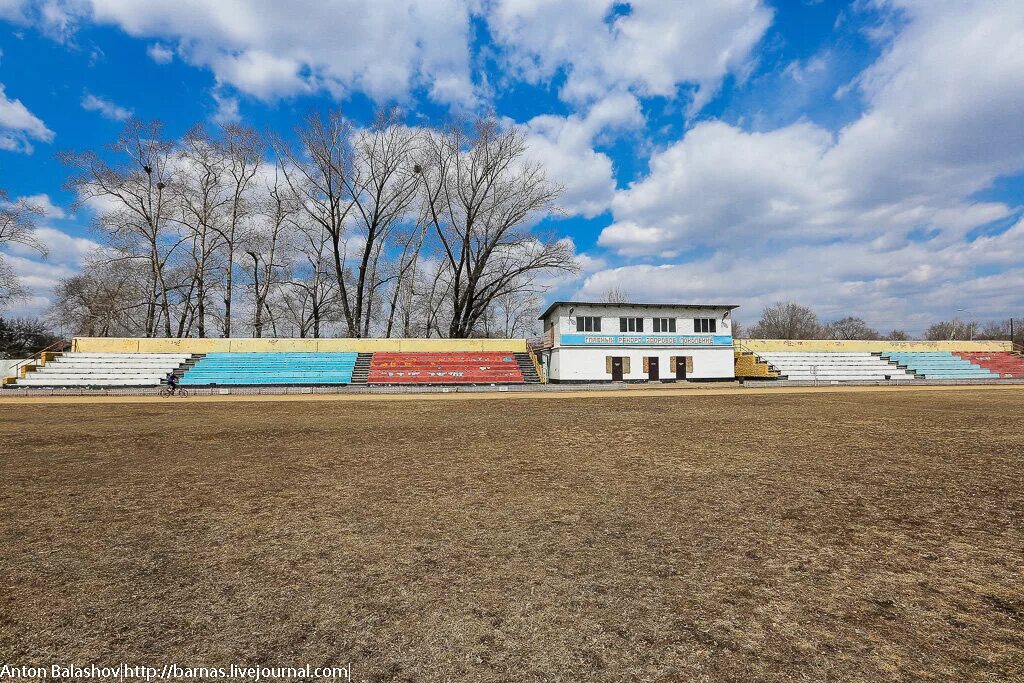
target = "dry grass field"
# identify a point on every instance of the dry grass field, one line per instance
(861, 536)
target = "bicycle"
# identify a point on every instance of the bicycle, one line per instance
(180, 392)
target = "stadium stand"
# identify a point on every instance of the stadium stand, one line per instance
(833, 366)
(104, 370)
(939, 365)
(1003, 363)
(271, 368)
(446, 368)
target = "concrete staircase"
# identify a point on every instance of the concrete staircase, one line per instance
(362, 369)
(186, 366)
(528, 369)
(750, 366)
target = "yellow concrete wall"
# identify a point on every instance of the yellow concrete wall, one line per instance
(768, 345)
(125, 345)
(105, 345)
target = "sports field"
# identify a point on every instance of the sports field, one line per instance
(817, 536)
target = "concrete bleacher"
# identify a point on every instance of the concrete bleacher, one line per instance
(103, 370)
(939, 365)
(1003, 363)
(834, 366)
(445, 368)
(272, 368)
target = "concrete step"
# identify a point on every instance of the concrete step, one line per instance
(362, 368)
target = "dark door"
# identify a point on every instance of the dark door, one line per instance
(652, 369)
(617, 369)
(681, 367)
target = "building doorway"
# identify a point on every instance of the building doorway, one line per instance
(681, 366)
(652, 369)
(616, 368)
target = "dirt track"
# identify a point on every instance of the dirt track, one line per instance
(636, 391)
(741, 536)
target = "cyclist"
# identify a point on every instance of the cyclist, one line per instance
(172, 381)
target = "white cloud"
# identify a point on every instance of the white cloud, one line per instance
(55, 18)
(565, 145)
(651, 49)
(272, 49)
(66, 255)
(19, 127)
(160, 53)
(389, 48)
(43, 201)
(801, 213)
(106, 108)
(227, 109)
(906, 286)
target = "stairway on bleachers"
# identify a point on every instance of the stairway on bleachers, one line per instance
(83, 370)
(272, 368)
(445, 368)
(527, 368)
(362, 368)
(1003, 363)
(833, 366)
(939, 365)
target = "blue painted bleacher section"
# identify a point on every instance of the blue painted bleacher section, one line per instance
(271, 368)
(939, 365)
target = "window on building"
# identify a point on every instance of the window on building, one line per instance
(705, 325)
(631, 324)
(664, 324)
(588, 323)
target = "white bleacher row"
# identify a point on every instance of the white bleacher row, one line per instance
(834, 366)
(104, 370)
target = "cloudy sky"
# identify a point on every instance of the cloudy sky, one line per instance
(861, 157)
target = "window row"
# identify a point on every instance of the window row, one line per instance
(587, 323)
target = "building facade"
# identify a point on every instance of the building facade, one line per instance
(594, 342)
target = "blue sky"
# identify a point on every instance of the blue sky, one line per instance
(863, 158)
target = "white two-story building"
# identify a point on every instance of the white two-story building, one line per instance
(593, 342)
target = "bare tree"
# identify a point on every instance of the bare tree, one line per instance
(1003, 330)
(317, 173)
(897, 335)
(481, 195)
(513, 315)
(403, 287)
(849, 328)
(108, 298)
(17, 226)
(136, 205)
(950, 330)
(267, 248)
(615, 295)
(382, 185)
(202, 186)
(243, 147)
(312, 301)
(786, 321)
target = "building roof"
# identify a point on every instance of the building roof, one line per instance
(630, 305)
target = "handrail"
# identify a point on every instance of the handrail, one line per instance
(58, 346)
(544, 342)
(537, 366)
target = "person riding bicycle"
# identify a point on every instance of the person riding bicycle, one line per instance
(172, 380)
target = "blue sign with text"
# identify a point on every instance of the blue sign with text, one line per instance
(646, 340)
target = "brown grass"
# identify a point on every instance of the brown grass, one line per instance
(787, 537)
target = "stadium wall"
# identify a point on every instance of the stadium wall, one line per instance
(208, 345)
(769, 345)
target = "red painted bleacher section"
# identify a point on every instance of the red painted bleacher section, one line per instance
(444, 368)
(1005, 363)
